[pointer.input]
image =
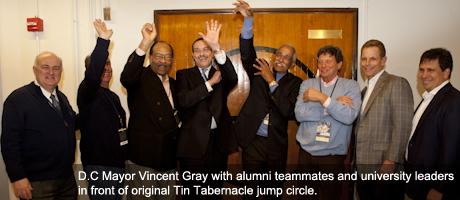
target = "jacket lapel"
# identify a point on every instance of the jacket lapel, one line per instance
(158, 92)
(433, 104)
(375, 92)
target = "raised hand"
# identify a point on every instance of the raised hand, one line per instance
(243, 8)
(212, 34)
(149, 33)
(266, 71)
(102, 29)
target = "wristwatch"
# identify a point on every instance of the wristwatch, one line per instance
(272, 83)
(217, 50)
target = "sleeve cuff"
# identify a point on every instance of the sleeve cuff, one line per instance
(208, 86)
(221, 58)
(139, 52)
(327, 102)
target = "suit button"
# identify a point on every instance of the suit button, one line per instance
(160, 118)
(158, 103)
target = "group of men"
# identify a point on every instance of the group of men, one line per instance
(187, 120)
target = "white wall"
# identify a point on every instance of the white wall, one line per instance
(407, 28)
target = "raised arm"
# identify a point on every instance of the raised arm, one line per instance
(130, 77)
(91, 83)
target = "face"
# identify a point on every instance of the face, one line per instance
(283, 59)
(371, 62)
(107, 74)
(328, 66)
(161, 59)
(48, 71)
(431, 74)
(202, 54)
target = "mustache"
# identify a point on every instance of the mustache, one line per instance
(280, 63)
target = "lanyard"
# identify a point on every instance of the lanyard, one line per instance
(320, 84)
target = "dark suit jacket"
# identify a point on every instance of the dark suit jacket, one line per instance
(152, 129)
(280, 105)
(435, 146)
(198, 106)
(37, 143)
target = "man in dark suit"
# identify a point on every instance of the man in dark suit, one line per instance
(383, 126)
(207, 134)
(434, 145)
(153, 124)
(38, 135)
(263, 120)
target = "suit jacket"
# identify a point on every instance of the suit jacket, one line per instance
(384, 127)
(152, 130)
(37, 142)
(435, 146)
(198, 106)
(261, 101)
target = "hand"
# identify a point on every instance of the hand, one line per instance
(149, 33)
(313, 95)
(387, 167)
(22, 188)
(243, 8)
(345, 100)
(434, 195)
(212, 34)
(266, 71)
(102, 29)
(216, 78)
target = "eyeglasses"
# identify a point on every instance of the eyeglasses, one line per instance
(159, 56)
(285, 57)
(204, 50)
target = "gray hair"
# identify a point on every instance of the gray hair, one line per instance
(43, 54)
(294, 55)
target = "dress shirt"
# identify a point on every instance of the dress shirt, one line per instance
(246, 31)
(46, 93)
(328, 100)
(263, 128)
(370, 84)
(427, 97)
(167, 88)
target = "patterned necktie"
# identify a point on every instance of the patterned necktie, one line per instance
(55, 103)
(203, 74)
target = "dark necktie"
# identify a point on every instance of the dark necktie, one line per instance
(55, 103)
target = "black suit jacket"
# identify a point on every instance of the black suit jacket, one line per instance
(198, 106)
(152, 130)
(435, 146)
(280, 105)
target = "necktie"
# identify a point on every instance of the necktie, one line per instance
(203, 74)
(55, 103)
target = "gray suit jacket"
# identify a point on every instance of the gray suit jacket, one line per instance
(384, 127)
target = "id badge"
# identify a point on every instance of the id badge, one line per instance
(323, 132)
(123, 136)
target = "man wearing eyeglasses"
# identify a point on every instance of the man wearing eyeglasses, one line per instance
(153, 124)
(263, 120)
(207, 134)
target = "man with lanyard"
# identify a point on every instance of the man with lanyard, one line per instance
(326, 109)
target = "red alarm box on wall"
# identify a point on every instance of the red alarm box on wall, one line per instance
(34, 24)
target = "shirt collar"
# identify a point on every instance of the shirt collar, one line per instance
(374, 79)
(434, 91)
(331, 82)
(161, 78)
(46, 93)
